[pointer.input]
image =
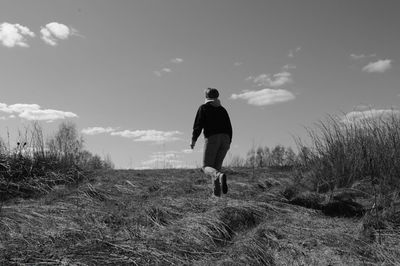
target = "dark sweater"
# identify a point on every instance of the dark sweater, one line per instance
(213, 119)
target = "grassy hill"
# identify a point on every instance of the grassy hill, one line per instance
(168, 217)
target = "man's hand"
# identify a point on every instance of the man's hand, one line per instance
(192, 144)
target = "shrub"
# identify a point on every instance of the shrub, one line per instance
(34, 165)
(345, 151)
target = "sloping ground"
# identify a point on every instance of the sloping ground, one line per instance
(167, 217)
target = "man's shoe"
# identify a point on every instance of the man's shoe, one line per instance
(224, 183)
(217, 187)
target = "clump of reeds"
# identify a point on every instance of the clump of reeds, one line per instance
(35, 164)
(344, 151)
(361, 154)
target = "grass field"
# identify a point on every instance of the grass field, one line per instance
(168, 217)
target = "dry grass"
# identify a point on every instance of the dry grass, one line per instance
(344, 152)
(168, 218)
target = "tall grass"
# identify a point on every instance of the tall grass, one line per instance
(33, 165)
(344, 151)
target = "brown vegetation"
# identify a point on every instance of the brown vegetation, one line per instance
(168, 217)
(37, 164)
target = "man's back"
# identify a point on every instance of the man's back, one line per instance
(216, 120)
(213, 119)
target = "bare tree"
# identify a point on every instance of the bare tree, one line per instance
(251, 158)
(289, 157)
(260, 158)
(277, 155)
(237, 161)
(66, 144)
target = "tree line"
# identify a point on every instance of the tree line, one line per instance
(279, 157)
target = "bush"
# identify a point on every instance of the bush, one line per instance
(345, 151)
(361, 154)
(34, 165)
(279, 157)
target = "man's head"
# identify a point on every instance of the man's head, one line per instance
(211, 93)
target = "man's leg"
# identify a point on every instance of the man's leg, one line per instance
(222, 151)
(219, 159)
(213, 173)
(210, 152)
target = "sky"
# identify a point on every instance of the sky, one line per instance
(131, 74)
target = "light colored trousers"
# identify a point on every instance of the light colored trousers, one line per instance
(215, 149)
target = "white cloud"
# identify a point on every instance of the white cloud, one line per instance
(12, 35)
(238, 64)
(149, 135)
(159, 163)
(260, 80)
(265, 96)
(280, 79)
(167, 70)
(47, 115)
(137, 135)
(177, 60)
(288, 67)
(54, 31)
(372, 114)
(379, 66)
(163, 71)
(19, 108)
(34, 112)
(293, 52)
(4, 108)
(361, 56)
(169, 159)
(277, 80)
(97, 130)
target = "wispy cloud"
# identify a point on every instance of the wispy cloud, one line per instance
(177, 60)
(238, 64)
(168, 69)
(265, 96)
(163, 71)
(12, 35)
(361, 56)
(276, 80)
(294, 51)
(53, 32)
(97, 130)
(379, 66)
(34, 112)
(168, 159)
(372, 114)
(149, 135)
(288, 67)
(280, 79)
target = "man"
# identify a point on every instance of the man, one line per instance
(214, 120)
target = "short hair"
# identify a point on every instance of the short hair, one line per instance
(211, 93)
